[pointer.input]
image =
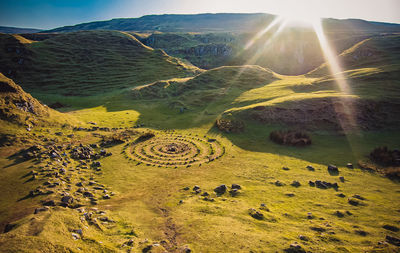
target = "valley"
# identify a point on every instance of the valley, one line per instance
(155, 136)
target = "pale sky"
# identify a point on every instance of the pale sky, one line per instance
(48, 14)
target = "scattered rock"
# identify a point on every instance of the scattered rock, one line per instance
(295, 183)
(333, 170)
(196, 187)
(341, 195)
(279, 183)
(78, 231)
(285, 168)
(339, 214)
(256, 214)
(295, 248)
(393, 240)
(391, 228)
(49, 203)
(9, 227)
(310, 168)
(354, 202)
(349, 165)
(75, 236)
(41, 209)
(318, 229)
(358, 197)
(234, 192)
(341, 179)
(220, 189)
(361, 232)
(304, 238)
(236, 186)
(67, 200)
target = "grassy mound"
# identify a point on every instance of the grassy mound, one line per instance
(209, 86)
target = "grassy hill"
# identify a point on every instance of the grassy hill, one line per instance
(97, 61)
(19, 109)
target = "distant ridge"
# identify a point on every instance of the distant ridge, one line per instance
(219, 22)
(11, 30)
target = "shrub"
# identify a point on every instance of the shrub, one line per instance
(290, 137)
(386, 157)
(230, 126)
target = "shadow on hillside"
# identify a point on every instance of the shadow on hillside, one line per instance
(327, 148)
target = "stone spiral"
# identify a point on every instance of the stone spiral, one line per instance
(175, 150)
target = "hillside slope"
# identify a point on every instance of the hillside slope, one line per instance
(18, 108)
(87, 63)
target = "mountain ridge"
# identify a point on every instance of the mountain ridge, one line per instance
(207, 22)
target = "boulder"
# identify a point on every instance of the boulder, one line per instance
(220, 189)
(256, 214)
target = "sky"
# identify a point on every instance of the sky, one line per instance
(46, 14)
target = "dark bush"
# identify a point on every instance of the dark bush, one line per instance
(290, 137)
(386, 157)
(229, 125)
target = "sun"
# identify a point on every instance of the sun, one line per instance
(294, 17)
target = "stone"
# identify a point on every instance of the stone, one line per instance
(341, 179)
(350, 165)
(311, 183)
(9, 227)
(341, 195)
(196, 187)
(309, 215)
(236, 186)
(393, 240)
(256, 214)
(339, 214)
(391, 228)
(295, 248)
(205, 194)
(78, 231)
(75, 236)
(353, 202)
(358, 197)
(318, 229)
(290, 194)
(106, 196)
(88, 194)
(285, 168)
(295, 183)
(220, 189)
(234, 192)
(304, 238)
(361, 232)
(41, 209)
(310, 168)
(333, 169)
(49, 203)
(67, 200)
(279, 183)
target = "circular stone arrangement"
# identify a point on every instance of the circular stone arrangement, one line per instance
(175, 150)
